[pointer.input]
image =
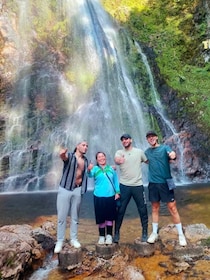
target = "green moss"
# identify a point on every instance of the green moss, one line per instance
(175, 30)
(206, 242)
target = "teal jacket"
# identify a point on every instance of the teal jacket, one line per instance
(106, 181)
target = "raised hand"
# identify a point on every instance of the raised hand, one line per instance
(120, 160)
(90, 166)
(63, 154)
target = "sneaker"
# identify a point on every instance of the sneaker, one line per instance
(153, 237)
(58, 247)
(101, 240)
(182, 240)
(75, 244)
(108, 239)
(116, 238)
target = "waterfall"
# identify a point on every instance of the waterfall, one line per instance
(207, 6)
(169, 128)
(91, 98)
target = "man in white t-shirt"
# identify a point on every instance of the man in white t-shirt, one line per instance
(129, 160)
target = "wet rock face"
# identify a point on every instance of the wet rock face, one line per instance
(191, 163)
(197, 160)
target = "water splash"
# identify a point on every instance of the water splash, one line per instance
(43, 272)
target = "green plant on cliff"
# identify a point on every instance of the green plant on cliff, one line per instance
(175, 29)
(48, 23)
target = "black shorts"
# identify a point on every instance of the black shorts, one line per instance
(160, 192)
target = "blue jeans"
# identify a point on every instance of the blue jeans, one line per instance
(138, 194)
(68, 200)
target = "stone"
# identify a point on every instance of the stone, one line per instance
(70, 257)
(144, 249)
(18, 250)
(106, 251)
(179, 267)
(132, 273)
(197, 232)
(168, 237)
(188, 253)
(43, 238)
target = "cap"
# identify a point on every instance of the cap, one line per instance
(126, 136)
(151, 133)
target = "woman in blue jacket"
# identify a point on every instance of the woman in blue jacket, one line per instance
(106, 192)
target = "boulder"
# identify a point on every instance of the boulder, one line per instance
(19, 248)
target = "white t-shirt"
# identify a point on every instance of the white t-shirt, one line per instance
(131, 170)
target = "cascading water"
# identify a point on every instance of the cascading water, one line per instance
(168, 126)
(92, 97)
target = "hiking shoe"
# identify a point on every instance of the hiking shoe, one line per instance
(182, 240)
(108, 239)
(58, 247)
(153, 237)
(144, 237)
(116, 238)
(75, 243)
(101, 240)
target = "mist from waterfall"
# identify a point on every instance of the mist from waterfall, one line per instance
(92, 98)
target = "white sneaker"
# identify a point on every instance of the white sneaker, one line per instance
(108, 239)
(101, 240)
(58, 247)
(182, 240)
(153, 237)
(75, 243)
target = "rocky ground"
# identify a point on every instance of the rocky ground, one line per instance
(24, 248)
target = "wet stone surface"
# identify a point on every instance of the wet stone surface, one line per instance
(106, 251)
(144, 249)
(70, 258)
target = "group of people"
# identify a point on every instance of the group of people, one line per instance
(108, 189)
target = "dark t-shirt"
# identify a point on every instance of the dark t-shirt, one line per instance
(159, 167)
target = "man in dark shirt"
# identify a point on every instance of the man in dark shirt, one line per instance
(159, 175)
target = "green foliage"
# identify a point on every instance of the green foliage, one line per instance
(48, 23)
(11, 6)
(206, 242)
(175, 30)
(82, 79)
